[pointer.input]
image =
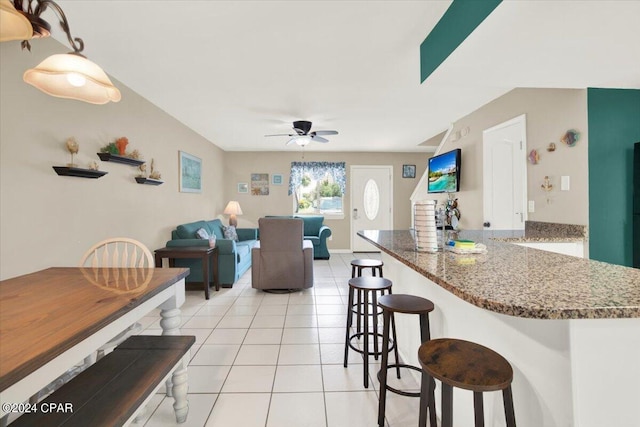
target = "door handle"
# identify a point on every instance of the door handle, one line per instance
(486, 224)
(521, 217)
(355, 213)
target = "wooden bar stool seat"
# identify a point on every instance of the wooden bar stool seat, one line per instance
(369, 287)
(406, 304)
(357, 265)
(469, 366)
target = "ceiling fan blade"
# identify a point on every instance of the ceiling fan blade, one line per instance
(325, 132)
(317, 138)
(291, 141)
(281, 134)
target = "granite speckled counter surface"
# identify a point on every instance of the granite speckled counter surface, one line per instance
(519, 281)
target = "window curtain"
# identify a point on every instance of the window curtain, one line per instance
(317, 171)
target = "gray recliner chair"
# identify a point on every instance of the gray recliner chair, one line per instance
(282, 259)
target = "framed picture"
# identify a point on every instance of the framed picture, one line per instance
(243, 188)
(276, 179)
(260, 184)
(190, 173)
(408, 171)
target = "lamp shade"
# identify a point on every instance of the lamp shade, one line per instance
(70, 75)
(233, 208)
(13, 24)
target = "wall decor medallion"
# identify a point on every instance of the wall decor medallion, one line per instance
(534, 157)
(551, 147)
(570, 137)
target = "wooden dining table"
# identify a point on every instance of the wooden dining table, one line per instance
(54, 318)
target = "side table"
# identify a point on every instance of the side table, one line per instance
(203, 252)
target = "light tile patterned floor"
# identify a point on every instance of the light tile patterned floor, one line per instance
(274, 360)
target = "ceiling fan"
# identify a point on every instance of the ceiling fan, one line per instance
(302, 136)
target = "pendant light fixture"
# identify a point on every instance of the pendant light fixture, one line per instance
(69, 75)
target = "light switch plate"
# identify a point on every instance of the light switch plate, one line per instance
(532, 206)
(565, 183)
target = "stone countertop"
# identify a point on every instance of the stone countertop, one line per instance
(520, 281)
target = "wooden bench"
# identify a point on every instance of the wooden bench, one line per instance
(110, 392)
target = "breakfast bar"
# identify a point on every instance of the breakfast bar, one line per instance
(569, 326)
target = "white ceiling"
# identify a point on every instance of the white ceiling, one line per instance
(234, 71)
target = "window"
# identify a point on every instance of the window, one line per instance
(317, 187)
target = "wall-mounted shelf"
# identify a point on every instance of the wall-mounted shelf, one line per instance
(81, 173)
(108, 157)
(148, 181)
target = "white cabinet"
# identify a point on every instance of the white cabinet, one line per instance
(565, 248)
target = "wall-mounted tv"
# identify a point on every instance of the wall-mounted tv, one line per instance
(444, 172)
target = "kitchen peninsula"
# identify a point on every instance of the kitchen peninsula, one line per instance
(569, 326)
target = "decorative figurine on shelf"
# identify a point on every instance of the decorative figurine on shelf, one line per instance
(72, 147)
(121, 145)
(154, 173)
(143, 170)
(94, 166)
(547, 187)
(110, 148)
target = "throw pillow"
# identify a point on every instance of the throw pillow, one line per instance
(230, 233)
(201, 233)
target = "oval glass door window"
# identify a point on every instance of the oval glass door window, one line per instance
(371, 199)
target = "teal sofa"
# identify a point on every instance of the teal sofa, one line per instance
(234, 257)
(314, 231)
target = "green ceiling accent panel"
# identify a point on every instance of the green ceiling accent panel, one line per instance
(460, 19)
(614, 127)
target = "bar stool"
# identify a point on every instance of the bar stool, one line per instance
(408, 304)
(366, 285)
(465, 365)
(357, 266)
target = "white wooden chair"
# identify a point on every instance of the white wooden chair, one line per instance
(118, 252)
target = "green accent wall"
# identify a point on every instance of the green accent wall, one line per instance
(614, 127)
(460, 19)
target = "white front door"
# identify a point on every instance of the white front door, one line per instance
(505, 175)
(371, 201)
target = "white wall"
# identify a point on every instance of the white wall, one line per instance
(48, 220)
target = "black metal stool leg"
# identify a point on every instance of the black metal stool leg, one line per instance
(447, 405)
(427, 401)
(359, 312)
(349, 323)
(383, 369)
(478, 409)
(366, 340)
(374, 317)
(508, 407)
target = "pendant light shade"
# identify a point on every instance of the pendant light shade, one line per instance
(71, 75)
(13, 24)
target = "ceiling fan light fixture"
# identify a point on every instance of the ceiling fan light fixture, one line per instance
(72, 76)
(14, 25)
(302, 140)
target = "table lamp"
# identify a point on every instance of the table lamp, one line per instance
(233, 209)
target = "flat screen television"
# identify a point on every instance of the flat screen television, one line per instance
(444, 172)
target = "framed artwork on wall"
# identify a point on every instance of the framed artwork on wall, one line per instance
(190, 173)
(408, 171)
(243, 188)
(260, 184)
(276, 179)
